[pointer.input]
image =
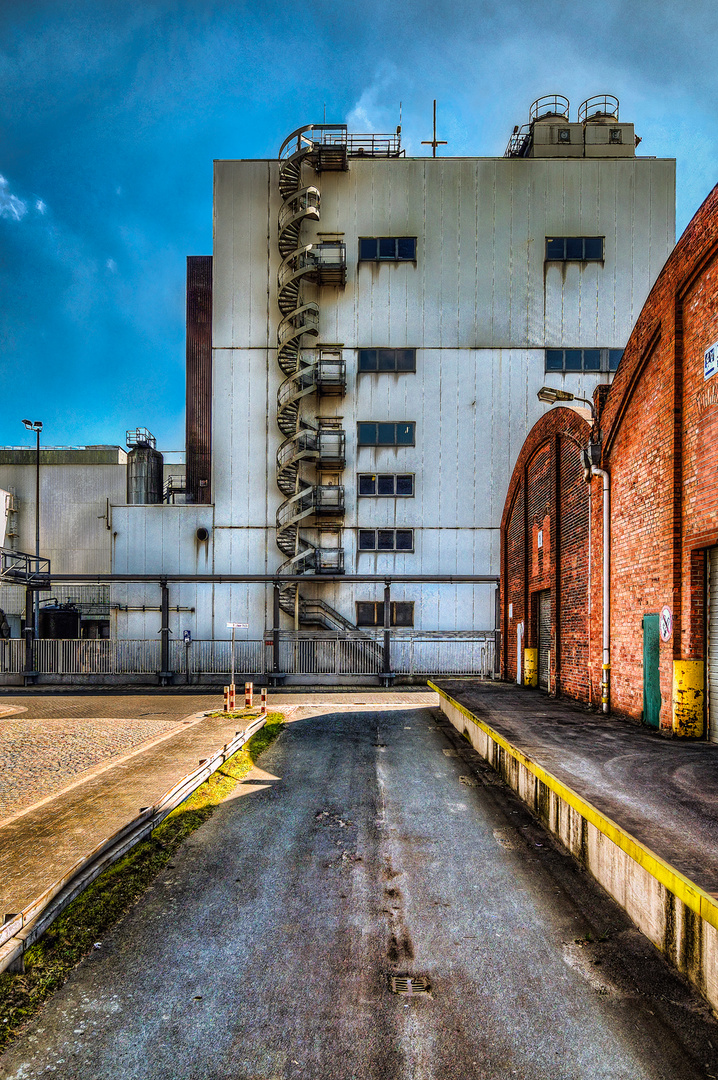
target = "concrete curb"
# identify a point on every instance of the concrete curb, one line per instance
(23, 929)
(674, 913)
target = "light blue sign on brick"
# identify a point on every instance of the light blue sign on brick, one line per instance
(710, 361)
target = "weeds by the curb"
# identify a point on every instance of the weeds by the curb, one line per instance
(72, 936)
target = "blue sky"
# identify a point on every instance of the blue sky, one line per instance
(112, 113)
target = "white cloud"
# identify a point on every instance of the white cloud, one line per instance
(41, 207)
(111, 266)
(10, 206)
(376, 109)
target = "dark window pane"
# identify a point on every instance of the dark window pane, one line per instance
(593, 247)
(406, 359)
(554, 359)
(366, 434)
(574, 247)
(367, 359)
(405, 484)
(367, 539)
(554, 247)
(573, 359)
(406, 247)
(614, 356)
(404, 539)
(385, 484)
(591, 359)
(386, 435)
(366, 614)
(402, 614)
(367, 484)
(367, 248)
(385, 540)
(387, 247)
(405, 434)
(386, 360)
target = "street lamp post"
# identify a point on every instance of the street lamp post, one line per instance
(36, 426)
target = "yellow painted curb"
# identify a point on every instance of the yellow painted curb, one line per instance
(690, 894)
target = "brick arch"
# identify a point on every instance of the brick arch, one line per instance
(525, 568)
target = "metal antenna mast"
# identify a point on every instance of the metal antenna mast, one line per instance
(433, 143)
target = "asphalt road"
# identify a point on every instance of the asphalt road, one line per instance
(374, 843)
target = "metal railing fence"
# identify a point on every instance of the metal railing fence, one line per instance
(323, 653)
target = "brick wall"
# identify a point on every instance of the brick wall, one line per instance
(660, 432)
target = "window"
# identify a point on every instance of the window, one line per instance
(572, 248)
(372, 613)
(386, 539)
(387, 360)
(389, 434)
(582, 359)
(389, 484)
(387, 248)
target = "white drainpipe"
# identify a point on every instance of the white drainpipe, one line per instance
(606, 662)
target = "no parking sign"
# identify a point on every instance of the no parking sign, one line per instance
(665, 623)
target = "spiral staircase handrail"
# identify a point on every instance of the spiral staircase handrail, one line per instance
(288, 212)
(300, 135)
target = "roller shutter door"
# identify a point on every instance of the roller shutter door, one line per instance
(713, 644)
(544, 637)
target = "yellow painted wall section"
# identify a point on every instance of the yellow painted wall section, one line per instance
(688, 698)
(530, 667)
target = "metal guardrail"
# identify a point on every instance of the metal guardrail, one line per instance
(23, 929)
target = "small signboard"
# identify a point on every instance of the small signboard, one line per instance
(710, 361)
(665, 623)
(238, 626)
(187, 637)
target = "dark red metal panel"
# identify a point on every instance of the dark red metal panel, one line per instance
(199, 378)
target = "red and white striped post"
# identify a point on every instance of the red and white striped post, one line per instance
(229, 698)
(263, 709)
(248, 695)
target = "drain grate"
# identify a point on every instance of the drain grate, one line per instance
(411, 985)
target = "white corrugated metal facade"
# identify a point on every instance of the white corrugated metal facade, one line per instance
(479, 305)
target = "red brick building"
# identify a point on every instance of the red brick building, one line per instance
(659, 444)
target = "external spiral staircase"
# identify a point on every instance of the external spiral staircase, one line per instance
(307, 371)
(311, 370)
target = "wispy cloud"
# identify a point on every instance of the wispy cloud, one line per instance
(10, 206)
(41, 206)
(376, 109)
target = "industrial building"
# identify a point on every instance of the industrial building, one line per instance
(364, 350)
(78, 486)
(633, 621)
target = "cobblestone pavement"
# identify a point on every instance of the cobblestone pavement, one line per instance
(41, 846)
(58, 739)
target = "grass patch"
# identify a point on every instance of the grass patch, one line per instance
(71, 937)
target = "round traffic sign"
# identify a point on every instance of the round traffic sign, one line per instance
(666, 624)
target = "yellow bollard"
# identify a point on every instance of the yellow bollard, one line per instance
(688, 698)
(530, 667)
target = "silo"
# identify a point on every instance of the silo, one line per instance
(144, 468)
